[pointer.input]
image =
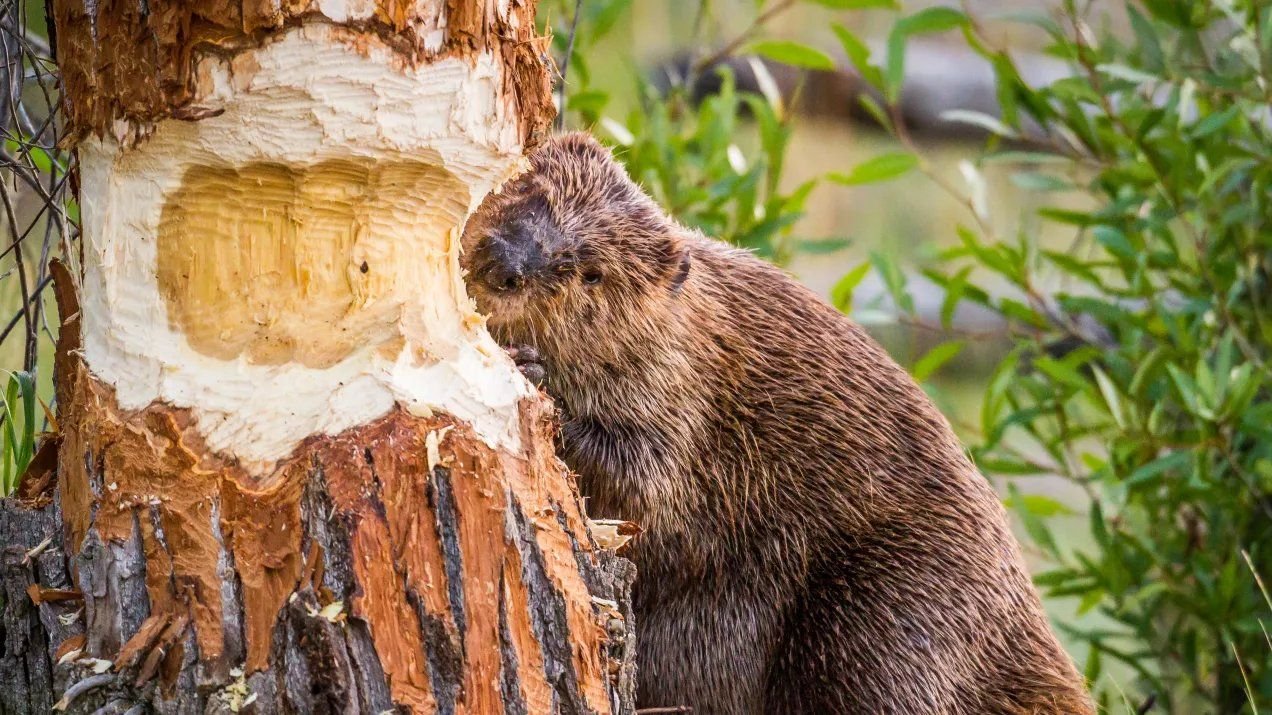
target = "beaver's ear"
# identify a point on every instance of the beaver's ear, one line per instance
(676, 263)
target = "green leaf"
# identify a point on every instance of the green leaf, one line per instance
(1034, 522)
(1026, 157)
(1112, 397)
(38, 157)
(1061, 577)
(926, 21)
(1146, 368)
(894, 67)
(1011, 91)
(1114, 241)
(893, 280)
(881, 168)
(857, 4)
(791, 53)
(841, 294)
(1061, 372)
(26, 384)
(1073, 266)
(1066, 216)
(930, 20)
(1214, 122)
(996, 399)
(817, 246)
(1157, 467)
(859, 55)
(1016, 310)
(1187, 389)
(19, 429)
(760, 235)
(9, 442)
(978, 119)
(925, 366)
(794, 202)
(1130, 74)
(1038, 504)
(590, 101)
(955, 288)
(605, 16)
(1090, 600)
(1147, 37)
(1035, 181)
(990, 465)
(1098, 527)
(875, 110)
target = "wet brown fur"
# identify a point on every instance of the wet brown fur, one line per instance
(816, 540)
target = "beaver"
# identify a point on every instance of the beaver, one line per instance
(815, 539)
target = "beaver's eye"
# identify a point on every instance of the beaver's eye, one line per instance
(592, 277)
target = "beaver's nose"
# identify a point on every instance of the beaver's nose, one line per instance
(511, 261)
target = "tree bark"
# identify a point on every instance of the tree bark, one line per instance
(293, 472)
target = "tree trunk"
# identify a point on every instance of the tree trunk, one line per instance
(294, 473)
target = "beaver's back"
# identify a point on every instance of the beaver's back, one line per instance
(837, 492)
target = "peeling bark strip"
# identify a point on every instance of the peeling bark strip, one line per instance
(295, 474)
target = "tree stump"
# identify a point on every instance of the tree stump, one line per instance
(293, 472)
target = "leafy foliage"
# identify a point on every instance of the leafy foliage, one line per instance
(17, 421)
(701, 161)
(1140, 369)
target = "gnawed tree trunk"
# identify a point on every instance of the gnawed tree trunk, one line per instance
(295, 474)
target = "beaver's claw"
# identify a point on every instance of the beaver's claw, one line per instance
(527, 360)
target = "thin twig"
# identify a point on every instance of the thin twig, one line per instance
(695, 45)
(31, 121)
(29, 354)
(17, 317)
(46, 205)
(565, 62)
(22, 171)
(732, 45)
(968, 333)
(84, 686)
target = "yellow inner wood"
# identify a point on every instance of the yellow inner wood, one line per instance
(304, 264)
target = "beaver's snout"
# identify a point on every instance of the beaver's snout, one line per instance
(508, 261)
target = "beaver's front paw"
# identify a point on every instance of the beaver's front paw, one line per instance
(527, 360)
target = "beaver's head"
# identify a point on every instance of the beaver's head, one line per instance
(571, 250)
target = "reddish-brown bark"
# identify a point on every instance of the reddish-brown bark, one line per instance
(442, 575)
(134, 61)
(402, 564)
